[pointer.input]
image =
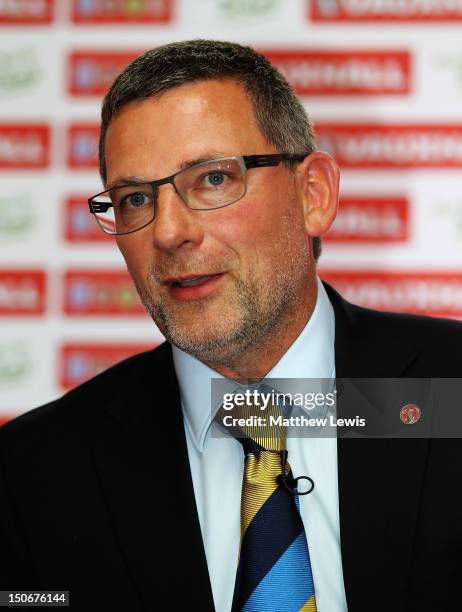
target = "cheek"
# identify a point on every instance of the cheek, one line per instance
(254, 234)
(134, 250)
(243, 229)
(249, 221)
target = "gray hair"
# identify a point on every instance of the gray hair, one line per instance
(279, 113)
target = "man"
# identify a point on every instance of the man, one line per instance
(119, 492)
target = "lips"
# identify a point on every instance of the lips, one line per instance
(192, 282)
(190, 288)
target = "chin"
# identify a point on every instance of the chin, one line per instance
(216, 347)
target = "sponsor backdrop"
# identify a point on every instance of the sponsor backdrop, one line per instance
(382, 80)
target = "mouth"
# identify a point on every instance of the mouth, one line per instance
(193, 281)
(187, 288)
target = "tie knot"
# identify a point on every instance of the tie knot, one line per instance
(257, 429)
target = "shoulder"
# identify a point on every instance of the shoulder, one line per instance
(422, 330)
(429, 344)
(78, 407)
(436, 341)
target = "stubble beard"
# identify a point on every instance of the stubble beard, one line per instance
(255, 311)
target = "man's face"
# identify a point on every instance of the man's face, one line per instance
(251, 259)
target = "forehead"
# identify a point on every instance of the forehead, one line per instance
(187, 122)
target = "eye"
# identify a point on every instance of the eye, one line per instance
(214, 179)
(135, 200)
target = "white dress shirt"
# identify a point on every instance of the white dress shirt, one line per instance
(217, 466)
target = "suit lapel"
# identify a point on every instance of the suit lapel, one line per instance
(380, 480)
(141, 457)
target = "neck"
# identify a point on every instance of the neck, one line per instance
(255, 363)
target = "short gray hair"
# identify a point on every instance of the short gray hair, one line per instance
(279, 113)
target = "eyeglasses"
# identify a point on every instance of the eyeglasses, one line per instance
(207, 185)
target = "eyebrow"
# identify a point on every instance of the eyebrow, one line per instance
(136, 180)
(203, 158)
(126, 180)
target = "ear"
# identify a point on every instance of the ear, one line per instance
(317, 181)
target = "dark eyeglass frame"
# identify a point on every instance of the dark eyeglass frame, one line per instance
(249, 161)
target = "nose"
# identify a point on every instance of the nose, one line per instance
(175, 225)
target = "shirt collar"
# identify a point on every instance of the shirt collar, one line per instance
(310, 355)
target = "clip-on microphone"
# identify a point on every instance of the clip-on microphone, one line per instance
(289, 485)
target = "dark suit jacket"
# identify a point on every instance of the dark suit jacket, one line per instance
(96, 493)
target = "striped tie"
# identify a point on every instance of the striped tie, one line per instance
(274, 569)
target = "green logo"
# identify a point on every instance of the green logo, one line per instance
(134, 6)
(127, 296)
(452, 63)
(248, 8)
(15, 363)
(451, 210)
(458, 71)
(19, 71)
(17, 216)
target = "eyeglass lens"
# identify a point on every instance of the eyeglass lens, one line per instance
(203, 186)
